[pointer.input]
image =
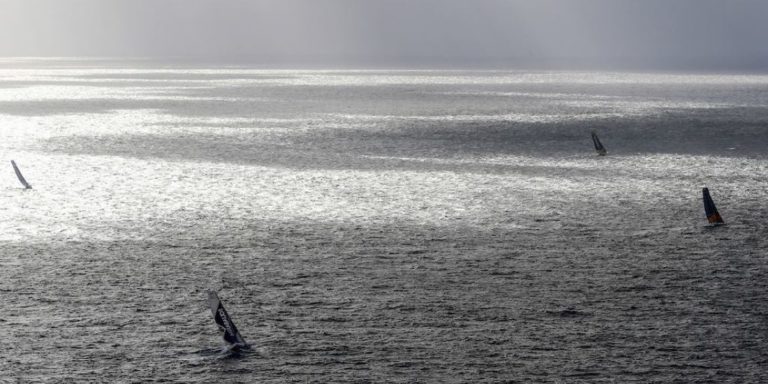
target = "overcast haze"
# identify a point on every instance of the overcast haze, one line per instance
(652, 33)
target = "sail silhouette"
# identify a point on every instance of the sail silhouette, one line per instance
(598, 145)
(20, 176)
(710, 210)
(221, 317)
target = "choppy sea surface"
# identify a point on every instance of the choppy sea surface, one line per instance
(381, 226)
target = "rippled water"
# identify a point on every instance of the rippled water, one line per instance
(399, 226)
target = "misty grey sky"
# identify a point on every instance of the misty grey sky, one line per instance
(639, 32)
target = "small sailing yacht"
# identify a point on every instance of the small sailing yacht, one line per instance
(710, 210)
(598, 145)
(19, 175)
(232, 336)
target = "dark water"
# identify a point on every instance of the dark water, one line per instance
(382, 226)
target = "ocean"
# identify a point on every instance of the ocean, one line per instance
(451, 226)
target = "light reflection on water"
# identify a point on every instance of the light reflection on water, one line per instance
(374, 225)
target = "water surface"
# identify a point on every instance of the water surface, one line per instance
(399, 226)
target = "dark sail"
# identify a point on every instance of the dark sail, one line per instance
(598, 145)
(21, 178)
(711, 211)
(220, 315)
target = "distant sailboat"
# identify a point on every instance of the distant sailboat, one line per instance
(231, 334)
(709, 208)
(598, 145)
(19, 175)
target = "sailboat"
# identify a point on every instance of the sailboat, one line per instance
(711, 211)
(232, 336)
(20, 176)
(598, 145)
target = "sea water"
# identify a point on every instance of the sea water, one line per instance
(381, 225)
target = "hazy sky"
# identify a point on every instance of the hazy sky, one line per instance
(642, 32)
